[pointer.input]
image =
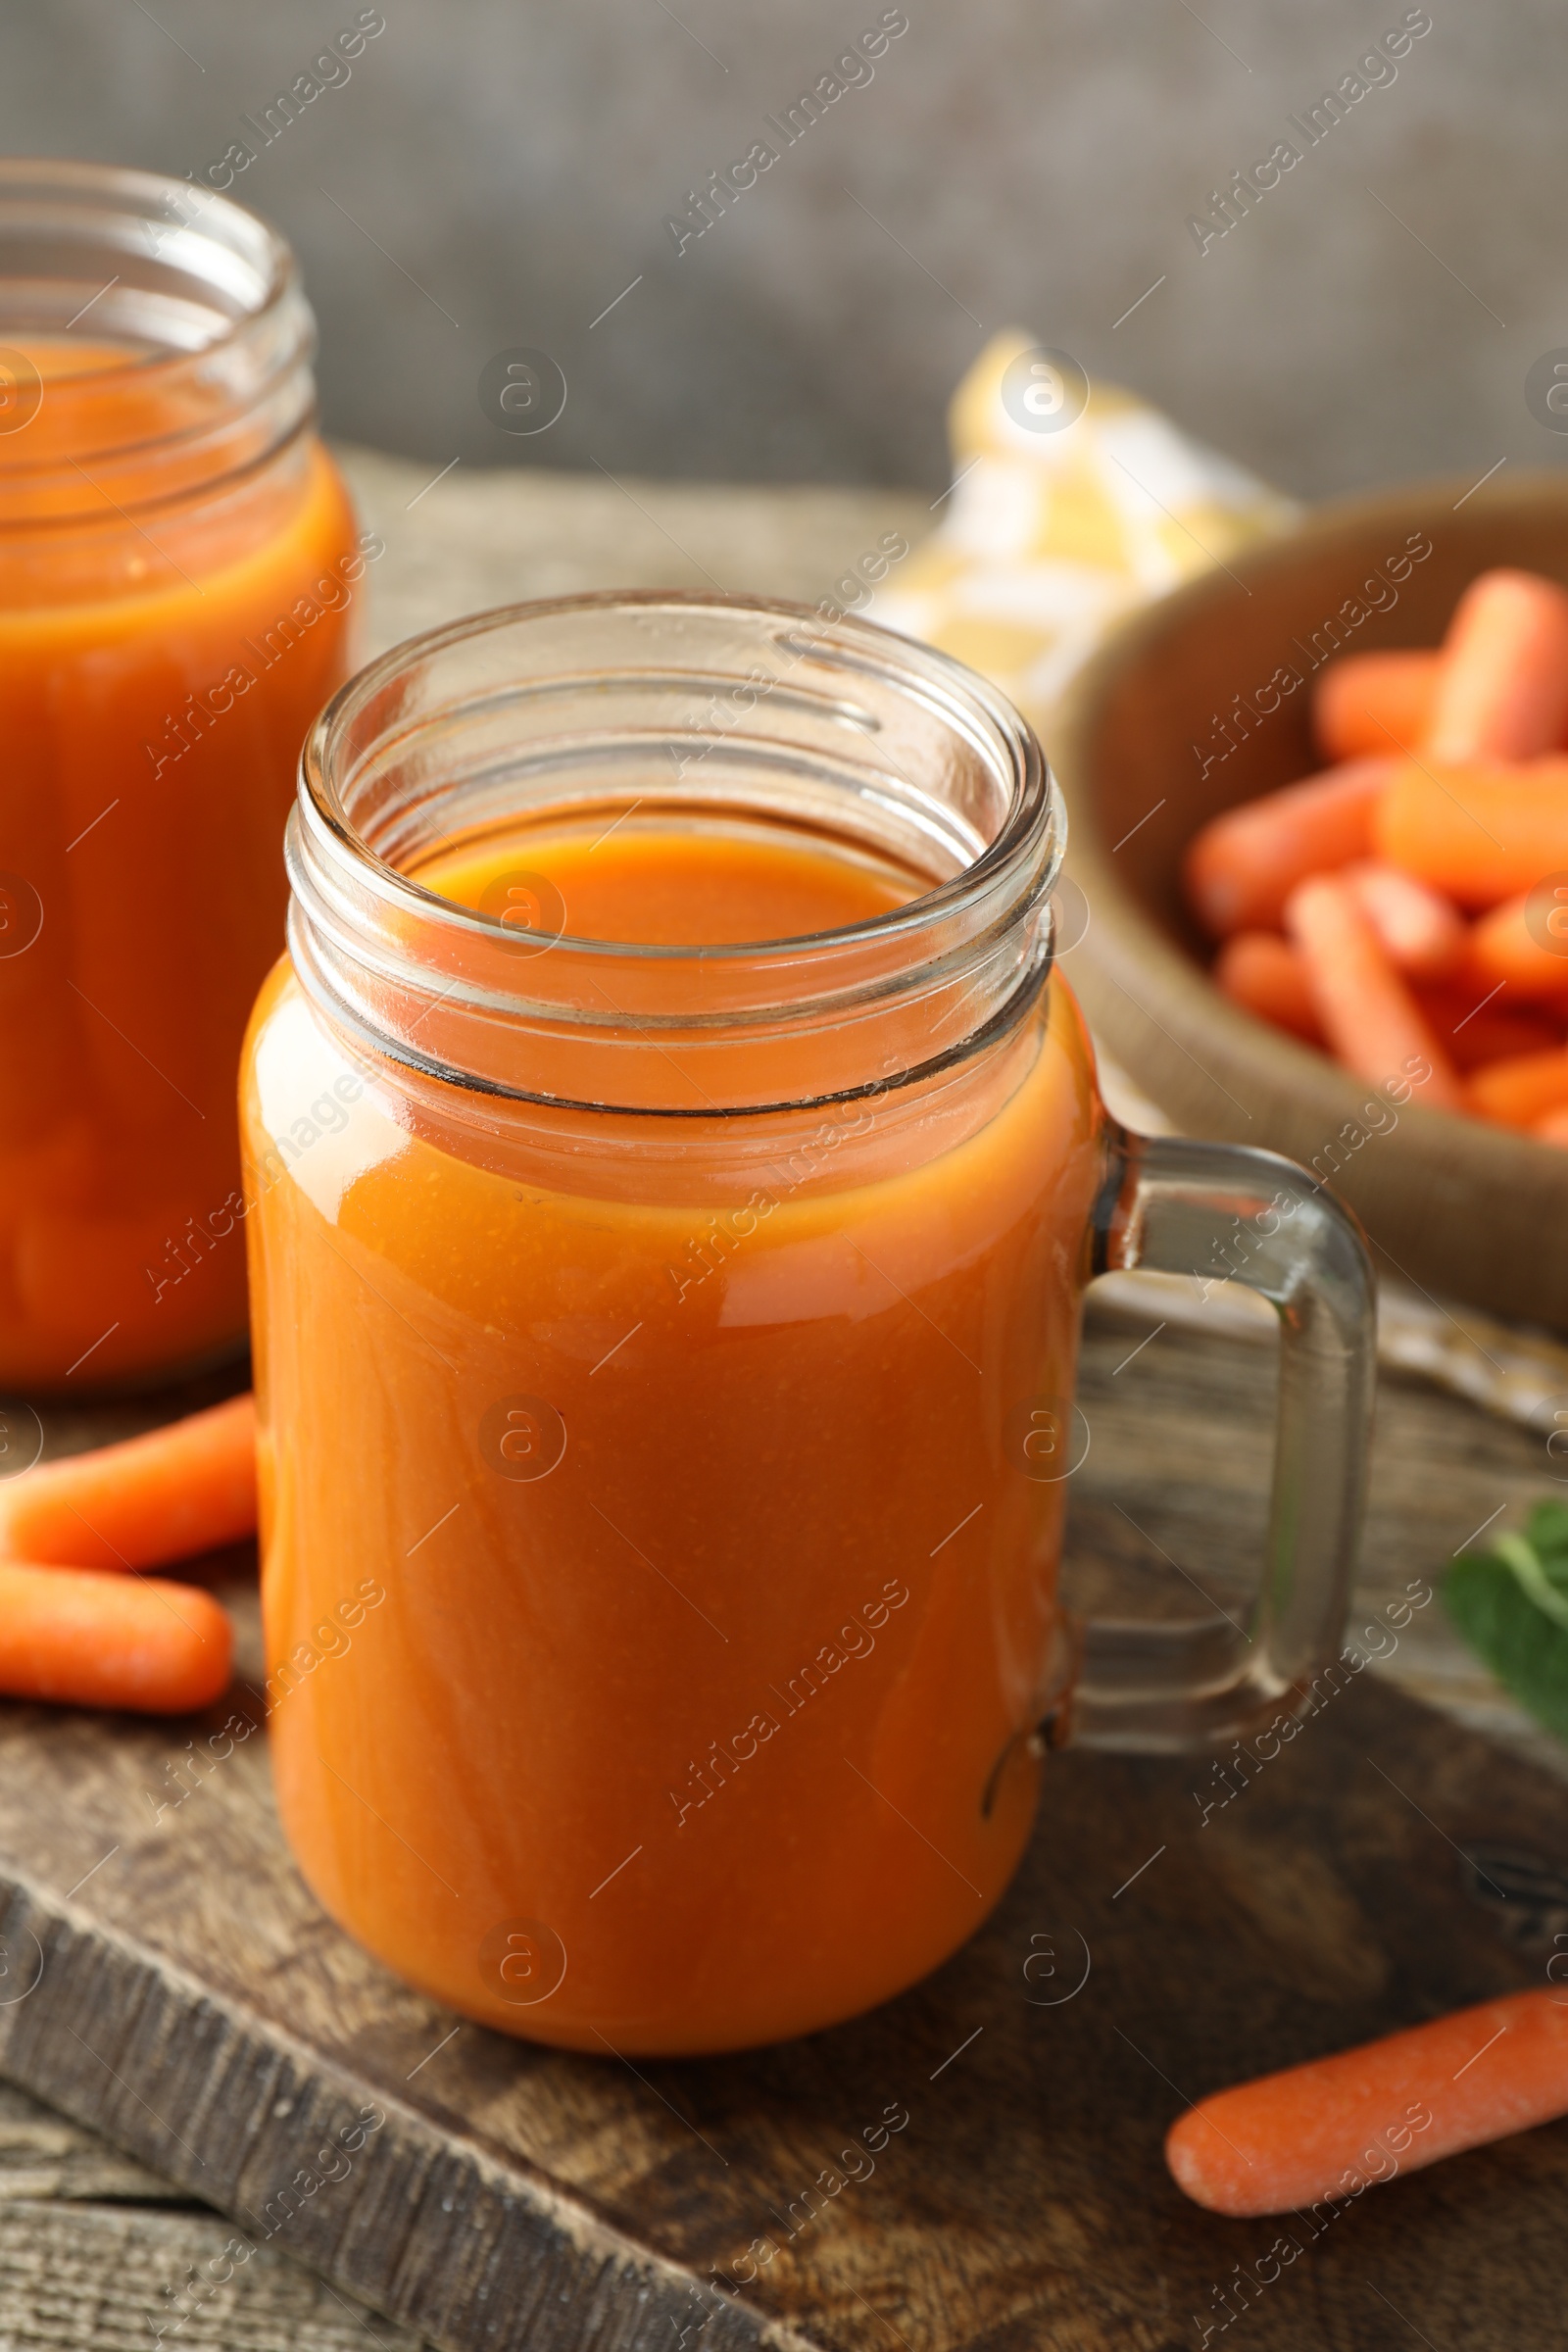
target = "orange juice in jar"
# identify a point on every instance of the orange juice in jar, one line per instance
(178, 567)
(673, 1167)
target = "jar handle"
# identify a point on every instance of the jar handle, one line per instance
(1216, 1212)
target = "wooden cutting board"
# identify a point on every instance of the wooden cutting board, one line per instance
(170, 1982)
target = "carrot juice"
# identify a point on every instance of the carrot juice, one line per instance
(179, 562)
(690, 1527)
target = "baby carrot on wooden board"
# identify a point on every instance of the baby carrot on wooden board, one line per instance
(1502, 680)
(1521, 1092)
(1243, 865)
(1553, 1129)
(1369, 1015)
(1264, 973)
(94, 1641)
(1481, 832)
(180, 1490)
(1422, 933)
(1331, 2128)
(1369, 705)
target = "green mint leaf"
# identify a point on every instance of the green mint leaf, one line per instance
(1510, 1603)
(1548, 1536)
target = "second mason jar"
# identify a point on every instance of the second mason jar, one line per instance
(180, 576)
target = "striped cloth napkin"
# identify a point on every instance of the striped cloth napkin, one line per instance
(1070, 504)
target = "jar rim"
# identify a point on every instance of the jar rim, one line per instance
(202, 296)
(427, 982)
(1035, 808)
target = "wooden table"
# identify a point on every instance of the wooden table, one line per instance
(1170, 1497)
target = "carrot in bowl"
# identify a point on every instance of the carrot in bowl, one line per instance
(1263, 973)
(1371, 1019)
(92, 1640)
(1481, 832)
(1503, 682)
(1368, 704)
(1243, 865)
(1332, 2128)
(1422, 933)
(1474, 1032)
(175, 1491)
(1507, 944)
(1519, 1093)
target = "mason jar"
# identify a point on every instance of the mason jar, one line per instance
(666, 1324)
(179, 577)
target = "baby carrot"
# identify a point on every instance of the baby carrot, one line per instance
(1332, 2126)
(1243, 865)
(1553, 1129)
(110, 1640)
(1480, 833)
(1502, 684)
(1369, 1017)
(1505, 945)
(1369, 705)
(180, 1490)
(1420, 931)
(1264, 973)
(1473, 1032)
(1520, 1092)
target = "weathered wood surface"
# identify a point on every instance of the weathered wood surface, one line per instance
(100, 2278)
(92, 2245)
(47, 2156)
(194, 2005)
(91, 2242)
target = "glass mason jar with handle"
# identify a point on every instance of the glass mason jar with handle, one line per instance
(675, 1168)
(178, 569)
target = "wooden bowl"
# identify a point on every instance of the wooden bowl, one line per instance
(1454, 1204)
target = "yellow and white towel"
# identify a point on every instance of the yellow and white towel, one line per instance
(1049, 533)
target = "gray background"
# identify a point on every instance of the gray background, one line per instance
(1025, 161)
